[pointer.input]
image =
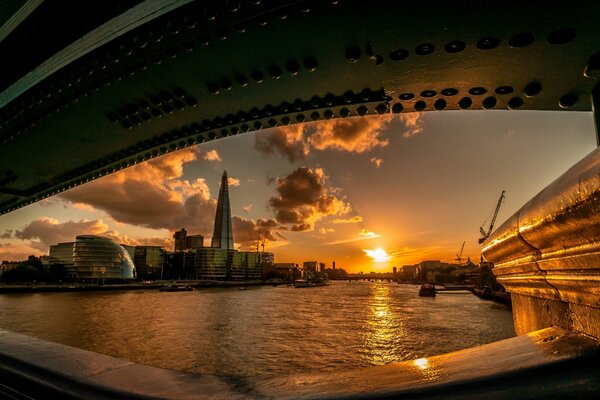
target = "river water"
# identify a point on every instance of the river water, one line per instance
(261, 331)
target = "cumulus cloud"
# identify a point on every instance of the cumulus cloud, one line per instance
(152, 195)
(377, 161)
(357, 135)
(247, 208)
(43, 232)
(288, 141)
(17, 252)
(247, 232)
(353, 220)
(413, 123)
(233, 181)
(303, 199)
(212, 155)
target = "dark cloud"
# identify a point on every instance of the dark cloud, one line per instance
(246, 231)
(302, 199)
(46, 231)
(151, 195)
(288, 141)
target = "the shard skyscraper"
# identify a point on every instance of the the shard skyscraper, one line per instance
(223, 236)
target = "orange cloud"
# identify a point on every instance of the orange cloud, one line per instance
(354, 220)
(231, 181)
(357, 135)
(212, 155)
(413, 123)
(377, 161)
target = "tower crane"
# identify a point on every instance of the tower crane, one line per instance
(486, 233)
(459, 255)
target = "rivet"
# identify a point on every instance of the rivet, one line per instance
(504, 90)
(173, 28)
(562, 36)
(258, 125)
(155, 36)
(315, 116)
(310, 63)
(233, 5)
(465, 103)
(568, 100)
(489, 102)
(521, 40)
(285, 107)
(329, 99)
(397, 108)
(344, 112)
(285, 120)
(254, 113)
(222, 34)
(190, 22)
(365, 95)
(292, 67)
(454, 46)
(242, 27)
(241, 116)
(300, 117)
(449, 92)
(273, 122)
(428, 93)
(234, 130)
(381, 108)
(204, 40)
(189, 46)
(244, 128)
(515, 103)
(225, 84)
(378, 59)
(532, 89)
(145, 116)
(171, 52)
(156, 113)
(167, 109)
(191, 101)
(420, 105)
(241, 80)
(398, 54)
(315, 101)
(477, 91)
(353, 54)
(348, 97)
(406, 96)
(257, 76)
(268, 110)
(178, 105)
(424, 49)
(487, 43)
(328, 114)
(274, 72)
(439, 104)
(298, 105)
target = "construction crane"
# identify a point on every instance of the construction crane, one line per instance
(486, 234)
(459, 255)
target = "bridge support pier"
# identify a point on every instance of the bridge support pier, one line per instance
(548, 254)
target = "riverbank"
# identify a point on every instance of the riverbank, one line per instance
(53, 288)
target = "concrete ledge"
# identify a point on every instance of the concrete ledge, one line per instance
(550, 363)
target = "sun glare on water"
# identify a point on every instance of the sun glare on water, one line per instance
(378, 255)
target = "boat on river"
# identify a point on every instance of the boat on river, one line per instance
(176, 288)
(427, 290)
(304, 283)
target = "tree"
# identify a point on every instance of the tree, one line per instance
(21, 273)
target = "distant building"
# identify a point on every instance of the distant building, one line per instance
(321, 267)
(129, 249)
(62, 254)
(310, 266)
(223, 234)
(183, 241)
(394, 270)
(222, 264)
(148, 262)
(99, 258)
(173, 265)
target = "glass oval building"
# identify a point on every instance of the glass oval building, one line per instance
(99, 258)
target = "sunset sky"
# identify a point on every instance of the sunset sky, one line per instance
(369, 193)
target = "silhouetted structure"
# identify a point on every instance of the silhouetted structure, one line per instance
(223, 235)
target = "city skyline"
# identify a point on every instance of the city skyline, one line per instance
(368, 193)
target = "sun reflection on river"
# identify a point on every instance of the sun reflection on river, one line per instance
(383, 329)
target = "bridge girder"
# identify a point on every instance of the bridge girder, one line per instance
(139, 81)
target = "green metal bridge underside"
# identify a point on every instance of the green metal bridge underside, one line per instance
(144, 78)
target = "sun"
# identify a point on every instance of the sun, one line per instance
(378, 255)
